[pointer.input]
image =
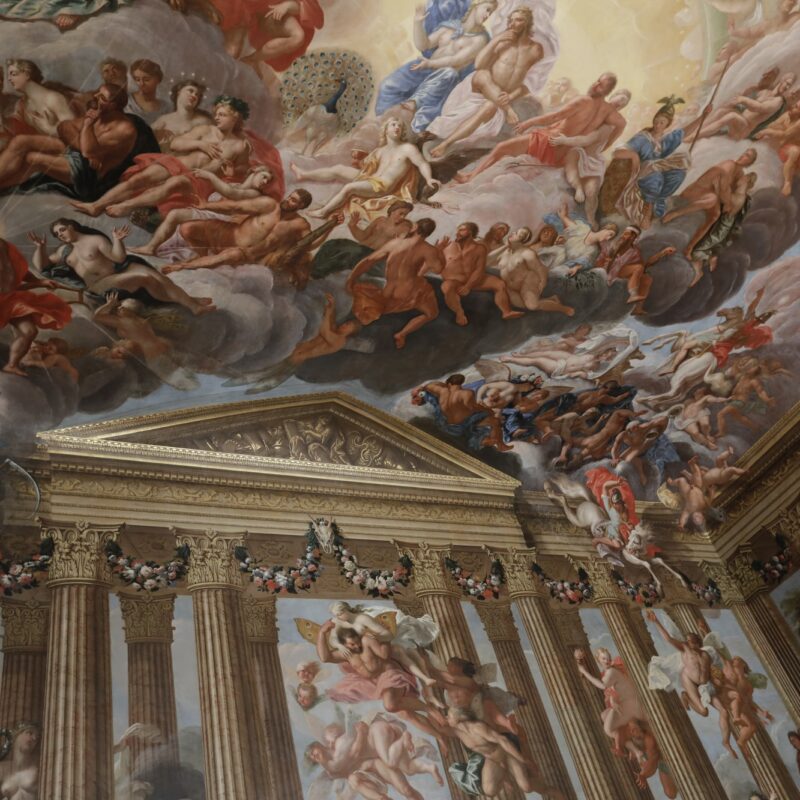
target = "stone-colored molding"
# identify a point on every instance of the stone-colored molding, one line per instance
(79, 553)
(604, 587)
(147, 618)
(260, 618)
(518, 573)
(498, 621)
(737, 580)
(428, 572)
(25, 626)
(211, 560)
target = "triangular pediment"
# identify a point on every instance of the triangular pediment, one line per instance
(330, 429)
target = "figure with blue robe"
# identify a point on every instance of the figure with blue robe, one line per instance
(657, 166)
(449, 47)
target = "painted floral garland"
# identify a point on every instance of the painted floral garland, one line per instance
(477, 588)
(777, 567)
(709, 592)
(307, 569)
(374, 582)
(148, 576)
(18, 576)
(572, 592)
(645, 594)
(281, 579)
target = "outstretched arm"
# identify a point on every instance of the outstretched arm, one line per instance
(419, 161)
(232, 191)
(364, 266)
(256, 205)
(551, 117)
(676, 643)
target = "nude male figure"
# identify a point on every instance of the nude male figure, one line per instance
(210, 147)
(737, 125)
(255, 185)
(100, 141)
(711, 193)
(266, 235)
(749, 396)
(384, 169)
(465, 272)
(407, 261)
(638, 438)
(784, 134)
(525, 276)
(696, 673)
(581, 116)
(500, 70)
(372, 659)
(502, 764)
(383, 229)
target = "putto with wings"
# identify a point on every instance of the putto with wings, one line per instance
(606, 508)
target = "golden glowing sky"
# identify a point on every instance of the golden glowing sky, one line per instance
(637, 39)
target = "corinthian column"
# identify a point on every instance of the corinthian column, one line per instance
(440, 598)
(764, 626)
(498, 621)
(76, 732)
(679, 743)
(151, 686)
(25, 626)
(234, 745)
(766, 765)
(574, 637)
(262, 633)
(588, 745)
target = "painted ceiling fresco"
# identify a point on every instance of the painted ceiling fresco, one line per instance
(562, 243)
(560, 235)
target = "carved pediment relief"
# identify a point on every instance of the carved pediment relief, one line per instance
(321, 436)
(329, 429)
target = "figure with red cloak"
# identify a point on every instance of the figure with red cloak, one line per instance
(24, 310)
(172, 181)
(615, 496)
(279, 31)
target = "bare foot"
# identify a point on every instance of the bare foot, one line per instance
(712, 263)
(409, 105)
(438, 151)
(637, 298)
(297, 172)
(399, 341)
(15, 371)
(698, 273)
(117, 210)
(461, 177)
(66, 21)
(512, 118)
(727, 746)
(168, 269)
(461, 319)
(787, 189)
(90, 209)
(513, 314)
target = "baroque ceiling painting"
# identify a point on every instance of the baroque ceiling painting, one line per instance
(398, 399)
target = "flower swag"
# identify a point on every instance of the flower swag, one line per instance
(477, 588)
(148, 576)
(777, 567)
(565, 591)
(307, 568)
(17, 576)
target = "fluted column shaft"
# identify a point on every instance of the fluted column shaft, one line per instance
(262, 633)
(498, 622)
(234, 744)
(764, 626)
(591, 754)
(76, 733)
(677, 739)
(574, 637)
(22, 687)
(436, 592)
(765, 763)
(151, 683)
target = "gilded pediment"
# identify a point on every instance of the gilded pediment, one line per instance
(331, 429)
